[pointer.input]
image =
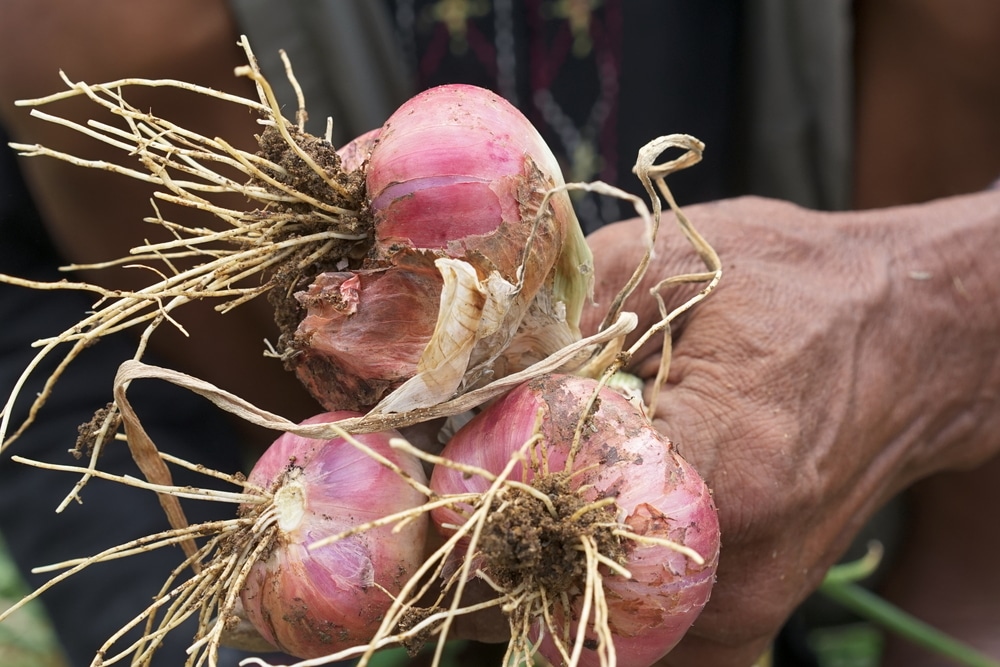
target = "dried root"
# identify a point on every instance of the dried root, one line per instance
(302, 209)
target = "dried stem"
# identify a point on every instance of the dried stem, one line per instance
(650, 173)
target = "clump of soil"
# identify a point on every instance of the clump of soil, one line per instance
(526, 542)
(89, 434)
(413, 617)
(300, 175)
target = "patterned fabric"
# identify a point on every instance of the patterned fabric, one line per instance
(764, 83)
(569, 66)
(558, 60)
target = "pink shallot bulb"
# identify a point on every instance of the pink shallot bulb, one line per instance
(455, 180)
(651, 493)
(453, 166)
(313, 602)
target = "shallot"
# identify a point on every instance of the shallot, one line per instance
(607, 538)
(457, 182)
(311, 602)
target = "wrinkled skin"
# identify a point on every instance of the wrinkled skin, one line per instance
(842, 358)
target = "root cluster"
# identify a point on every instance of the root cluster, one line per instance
(538, 543)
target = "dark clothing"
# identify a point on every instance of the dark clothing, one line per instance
(89, 607)
(598, 85)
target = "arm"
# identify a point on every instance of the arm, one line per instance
(843, 357)
(94, 216)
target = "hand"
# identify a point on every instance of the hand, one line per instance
(824, 375)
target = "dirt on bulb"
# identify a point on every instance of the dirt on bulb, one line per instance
(524, 541)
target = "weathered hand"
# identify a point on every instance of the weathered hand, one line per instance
(842, 357)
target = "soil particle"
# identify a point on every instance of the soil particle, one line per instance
(88, 433)
(412, 617)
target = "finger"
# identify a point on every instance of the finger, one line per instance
(618, 250)
(695, 651)
(753, 593)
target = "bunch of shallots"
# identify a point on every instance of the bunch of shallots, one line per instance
(430, 274)
(600, 541)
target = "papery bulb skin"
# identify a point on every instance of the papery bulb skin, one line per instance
(354, 153)
(364, 332)
(657, 493)
(313, 602)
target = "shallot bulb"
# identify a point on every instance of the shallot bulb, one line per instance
(455, 183)
(313, 602)
(623, 489)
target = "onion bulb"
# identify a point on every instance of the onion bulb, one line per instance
(623, 489)
(311, 602)
(455, 183)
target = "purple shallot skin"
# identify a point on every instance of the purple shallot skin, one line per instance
(656, 494)
(311, 602)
